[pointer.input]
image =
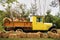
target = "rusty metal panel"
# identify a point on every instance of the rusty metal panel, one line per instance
(7, 24)
(18, 24)
(28, 24)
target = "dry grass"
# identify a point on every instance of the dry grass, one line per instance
(12, 35)
(44, 35)
(52, 35)
(19, 34)
(0, 34)
(33, 35)
(57, 35)
(28, 39)
(5, 35)
(58, 30)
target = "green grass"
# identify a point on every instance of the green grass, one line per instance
(1, 28)
(28, 39)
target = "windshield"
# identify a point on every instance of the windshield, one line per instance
(39, 19)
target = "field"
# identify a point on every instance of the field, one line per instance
(27, 39)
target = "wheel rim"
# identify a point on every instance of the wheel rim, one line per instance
(54, 30)
(19, 30)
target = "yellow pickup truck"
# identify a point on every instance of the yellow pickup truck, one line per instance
(37, 24)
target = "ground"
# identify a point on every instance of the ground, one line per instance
(58, 29)
(28, 39)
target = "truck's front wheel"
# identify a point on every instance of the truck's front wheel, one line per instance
(53, 30)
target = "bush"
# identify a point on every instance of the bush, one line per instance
(58, 23)
(1, 28)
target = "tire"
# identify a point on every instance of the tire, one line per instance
(19, 30)
(53, 30)
(6, 29)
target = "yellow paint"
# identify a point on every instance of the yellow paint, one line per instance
(40, 25)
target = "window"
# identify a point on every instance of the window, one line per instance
(39, 19)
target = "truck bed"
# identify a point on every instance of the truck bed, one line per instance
(18, 24)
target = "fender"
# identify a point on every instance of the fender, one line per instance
(53, 26)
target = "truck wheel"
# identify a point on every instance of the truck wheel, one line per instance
(19, 30)
(53, 30)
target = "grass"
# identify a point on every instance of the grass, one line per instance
(28, 39)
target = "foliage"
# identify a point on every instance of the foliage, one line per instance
(10, 1)
(52, 19)
(49, 17)
(57, 22)
(22, 7)
(56, 18)
(2, 15)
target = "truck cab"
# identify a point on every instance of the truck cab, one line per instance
(38, 23)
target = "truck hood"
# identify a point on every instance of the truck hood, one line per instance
(48, 24)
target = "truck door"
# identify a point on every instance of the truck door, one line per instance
(38, 24)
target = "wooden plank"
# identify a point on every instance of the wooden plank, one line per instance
(8, 24)
(18, 24)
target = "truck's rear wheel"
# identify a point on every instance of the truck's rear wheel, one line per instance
(19, 30)
(53, 30)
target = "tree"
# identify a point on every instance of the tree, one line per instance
(58, 14)
(57, 20)
(34, 8)
(20, 11)
(11, 1)
(54, 3)
(58, 23)
(48, 17)
(2, 15)
(9, 6)
(59, 6)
